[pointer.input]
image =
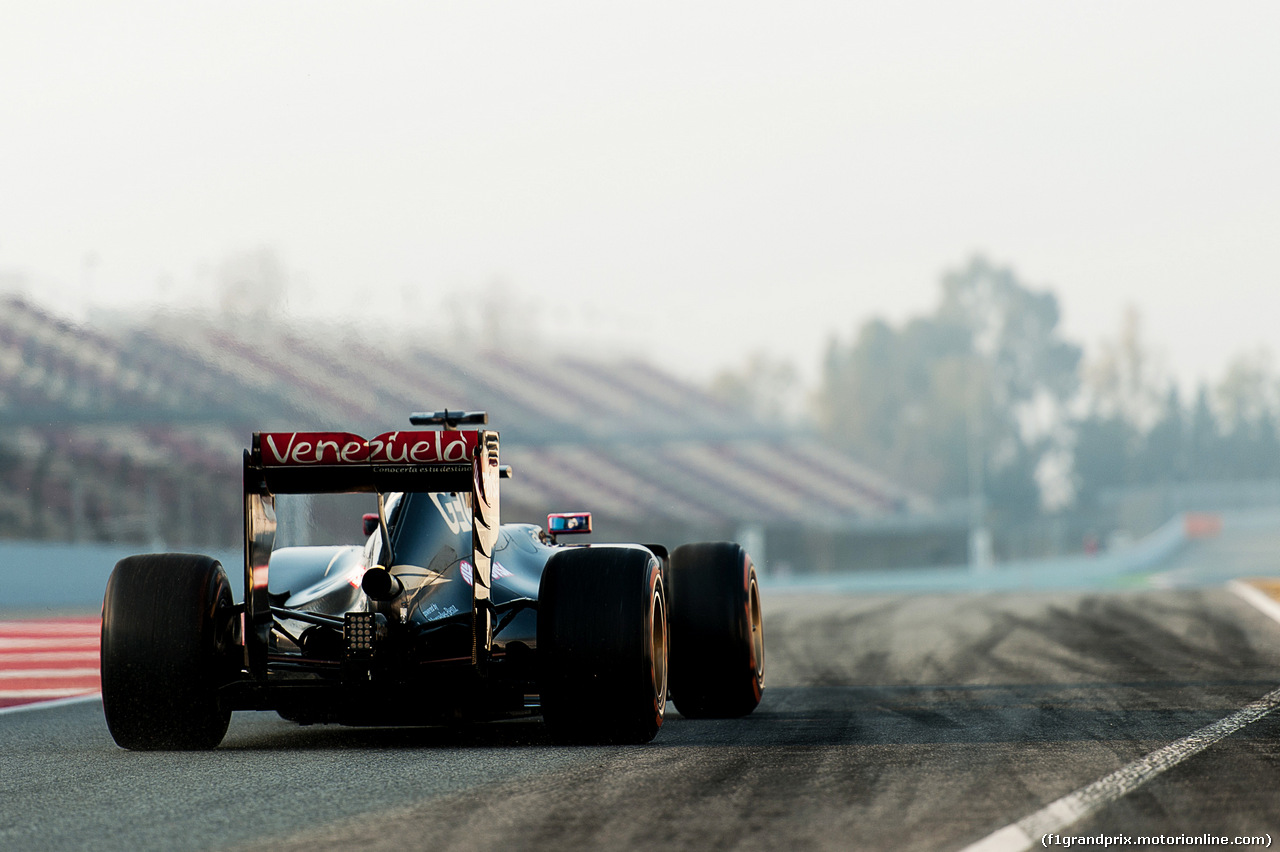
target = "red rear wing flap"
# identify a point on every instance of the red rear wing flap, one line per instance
(340, 462)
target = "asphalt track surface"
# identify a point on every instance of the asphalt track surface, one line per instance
(889, 722)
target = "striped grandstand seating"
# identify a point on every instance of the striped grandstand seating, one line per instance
(166, 404)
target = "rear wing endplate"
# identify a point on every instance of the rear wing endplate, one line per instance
(340, 463)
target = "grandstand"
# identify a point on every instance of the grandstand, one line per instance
(134, 433)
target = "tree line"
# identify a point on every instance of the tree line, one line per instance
(985, 396)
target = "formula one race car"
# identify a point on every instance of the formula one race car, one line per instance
(444, 615)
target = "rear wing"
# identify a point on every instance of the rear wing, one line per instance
(340, 463)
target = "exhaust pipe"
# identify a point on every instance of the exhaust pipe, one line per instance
(381, 585)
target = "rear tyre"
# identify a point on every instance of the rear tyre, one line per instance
(602, 645)
(717, 631)
(166, 633)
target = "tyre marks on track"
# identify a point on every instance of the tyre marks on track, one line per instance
(48, 659)
(1029, 832)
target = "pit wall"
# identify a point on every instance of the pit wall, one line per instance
(1131, 566)
(42, 578)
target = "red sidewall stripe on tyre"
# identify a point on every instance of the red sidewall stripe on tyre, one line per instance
(750, 622)
(659, 701)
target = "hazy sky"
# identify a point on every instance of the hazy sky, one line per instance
(694, 180)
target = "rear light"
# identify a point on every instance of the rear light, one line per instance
(361, 632)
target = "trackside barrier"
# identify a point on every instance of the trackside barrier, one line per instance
(53, 576)
(1112, 568)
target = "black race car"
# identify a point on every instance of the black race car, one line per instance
(444, 615)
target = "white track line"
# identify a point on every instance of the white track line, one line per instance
(44, 693)
(54, 674)
(48, 705)
(1260, 599)
(8, 643)
(8, 658)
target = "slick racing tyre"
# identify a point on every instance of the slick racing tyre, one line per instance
(166, 625)
(602, 645)
(717, 631)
